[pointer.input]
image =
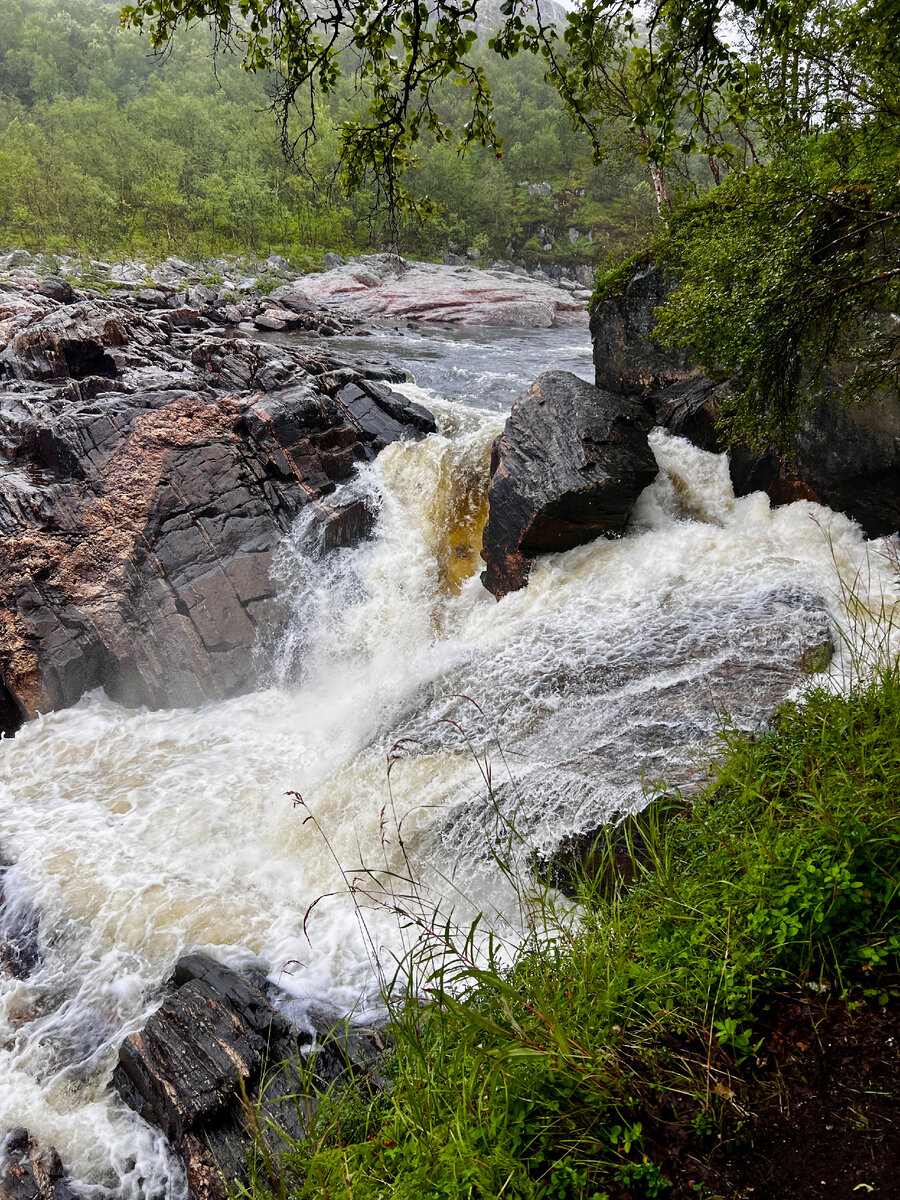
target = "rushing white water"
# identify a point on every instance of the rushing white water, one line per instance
(140, 835)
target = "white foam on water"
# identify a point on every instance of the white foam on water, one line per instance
(141, 835)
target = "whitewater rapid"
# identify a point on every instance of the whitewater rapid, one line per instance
(140, 835)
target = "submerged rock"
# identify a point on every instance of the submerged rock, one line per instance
(568, 467)
(147, 473)
(20, 950)
(30, 1171)
(216, 1067)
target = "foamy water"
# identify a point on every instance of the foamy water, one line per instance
(139, 836)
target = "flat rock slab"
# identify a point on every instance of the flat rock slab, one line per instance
(568, 467)
(388, 287)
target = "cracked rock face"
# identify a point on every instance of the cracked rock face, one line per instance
(148, 470)
(216, 1064)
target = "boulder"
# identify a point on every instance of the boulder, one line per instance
(216, 1067)
(627, 358)
(568, 467)
(844, 456)
(56, 288)
(147, 474)
(30, 1171)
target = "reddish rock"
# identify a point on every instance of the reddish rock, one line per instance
(387, 286)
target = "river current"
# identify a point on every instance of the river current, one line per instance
(138, 835)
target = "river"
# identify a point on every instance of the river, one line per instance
(139, 835)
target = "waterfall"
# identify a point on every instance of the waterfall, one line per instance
(139, 835)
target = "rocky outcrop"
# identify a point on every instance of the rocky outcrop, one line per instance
(216, 1067)
(30, 1171)
(148, 469)
(627, 358)
(386, 286)
(844, 456)
(568, 467)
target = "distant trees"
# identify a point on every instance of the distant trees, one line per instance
(107, 147)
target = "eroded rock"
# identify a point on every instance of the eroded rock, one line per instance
(216, 1066)
(147, 473)
(31, 1171)
(568, 467)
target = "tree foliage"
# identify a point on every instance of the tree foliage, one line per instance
(109, 149)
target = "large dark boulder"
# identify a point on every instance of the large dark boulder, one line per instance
(218, 1070)
(568, 467)
(844, 456)
(148, 472)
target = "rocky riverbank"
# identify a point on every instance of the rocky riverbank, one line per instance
(150, 462)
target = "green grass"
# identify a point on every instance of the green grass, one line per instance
(542, 1080)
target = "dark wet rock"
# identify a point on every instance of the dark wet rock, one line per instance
(847, 457)
(568, 467)
(613, 856)
(30, 1171)
(217, 1063)
(20, 950)
(57, 288)
(381, 414)
(147, 472)
(627, 357)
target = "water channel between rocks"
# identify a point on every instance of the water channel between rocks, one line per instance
(139, 835)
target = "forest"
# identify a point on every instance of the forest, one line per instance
(109, 148)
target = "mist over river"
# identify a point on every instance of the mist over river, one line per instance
(139, 835)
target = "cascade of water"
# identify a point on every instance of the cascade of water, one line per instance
(140, 835)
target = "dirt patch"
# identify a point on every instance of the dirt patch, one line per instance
(817, 1116)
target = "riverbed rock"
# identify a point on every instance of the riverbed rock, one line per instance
(844, 456)
(148, 472)
(217, 1065)
(568, 467)
(30, 1171)
(387, 286)
(20, 950)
